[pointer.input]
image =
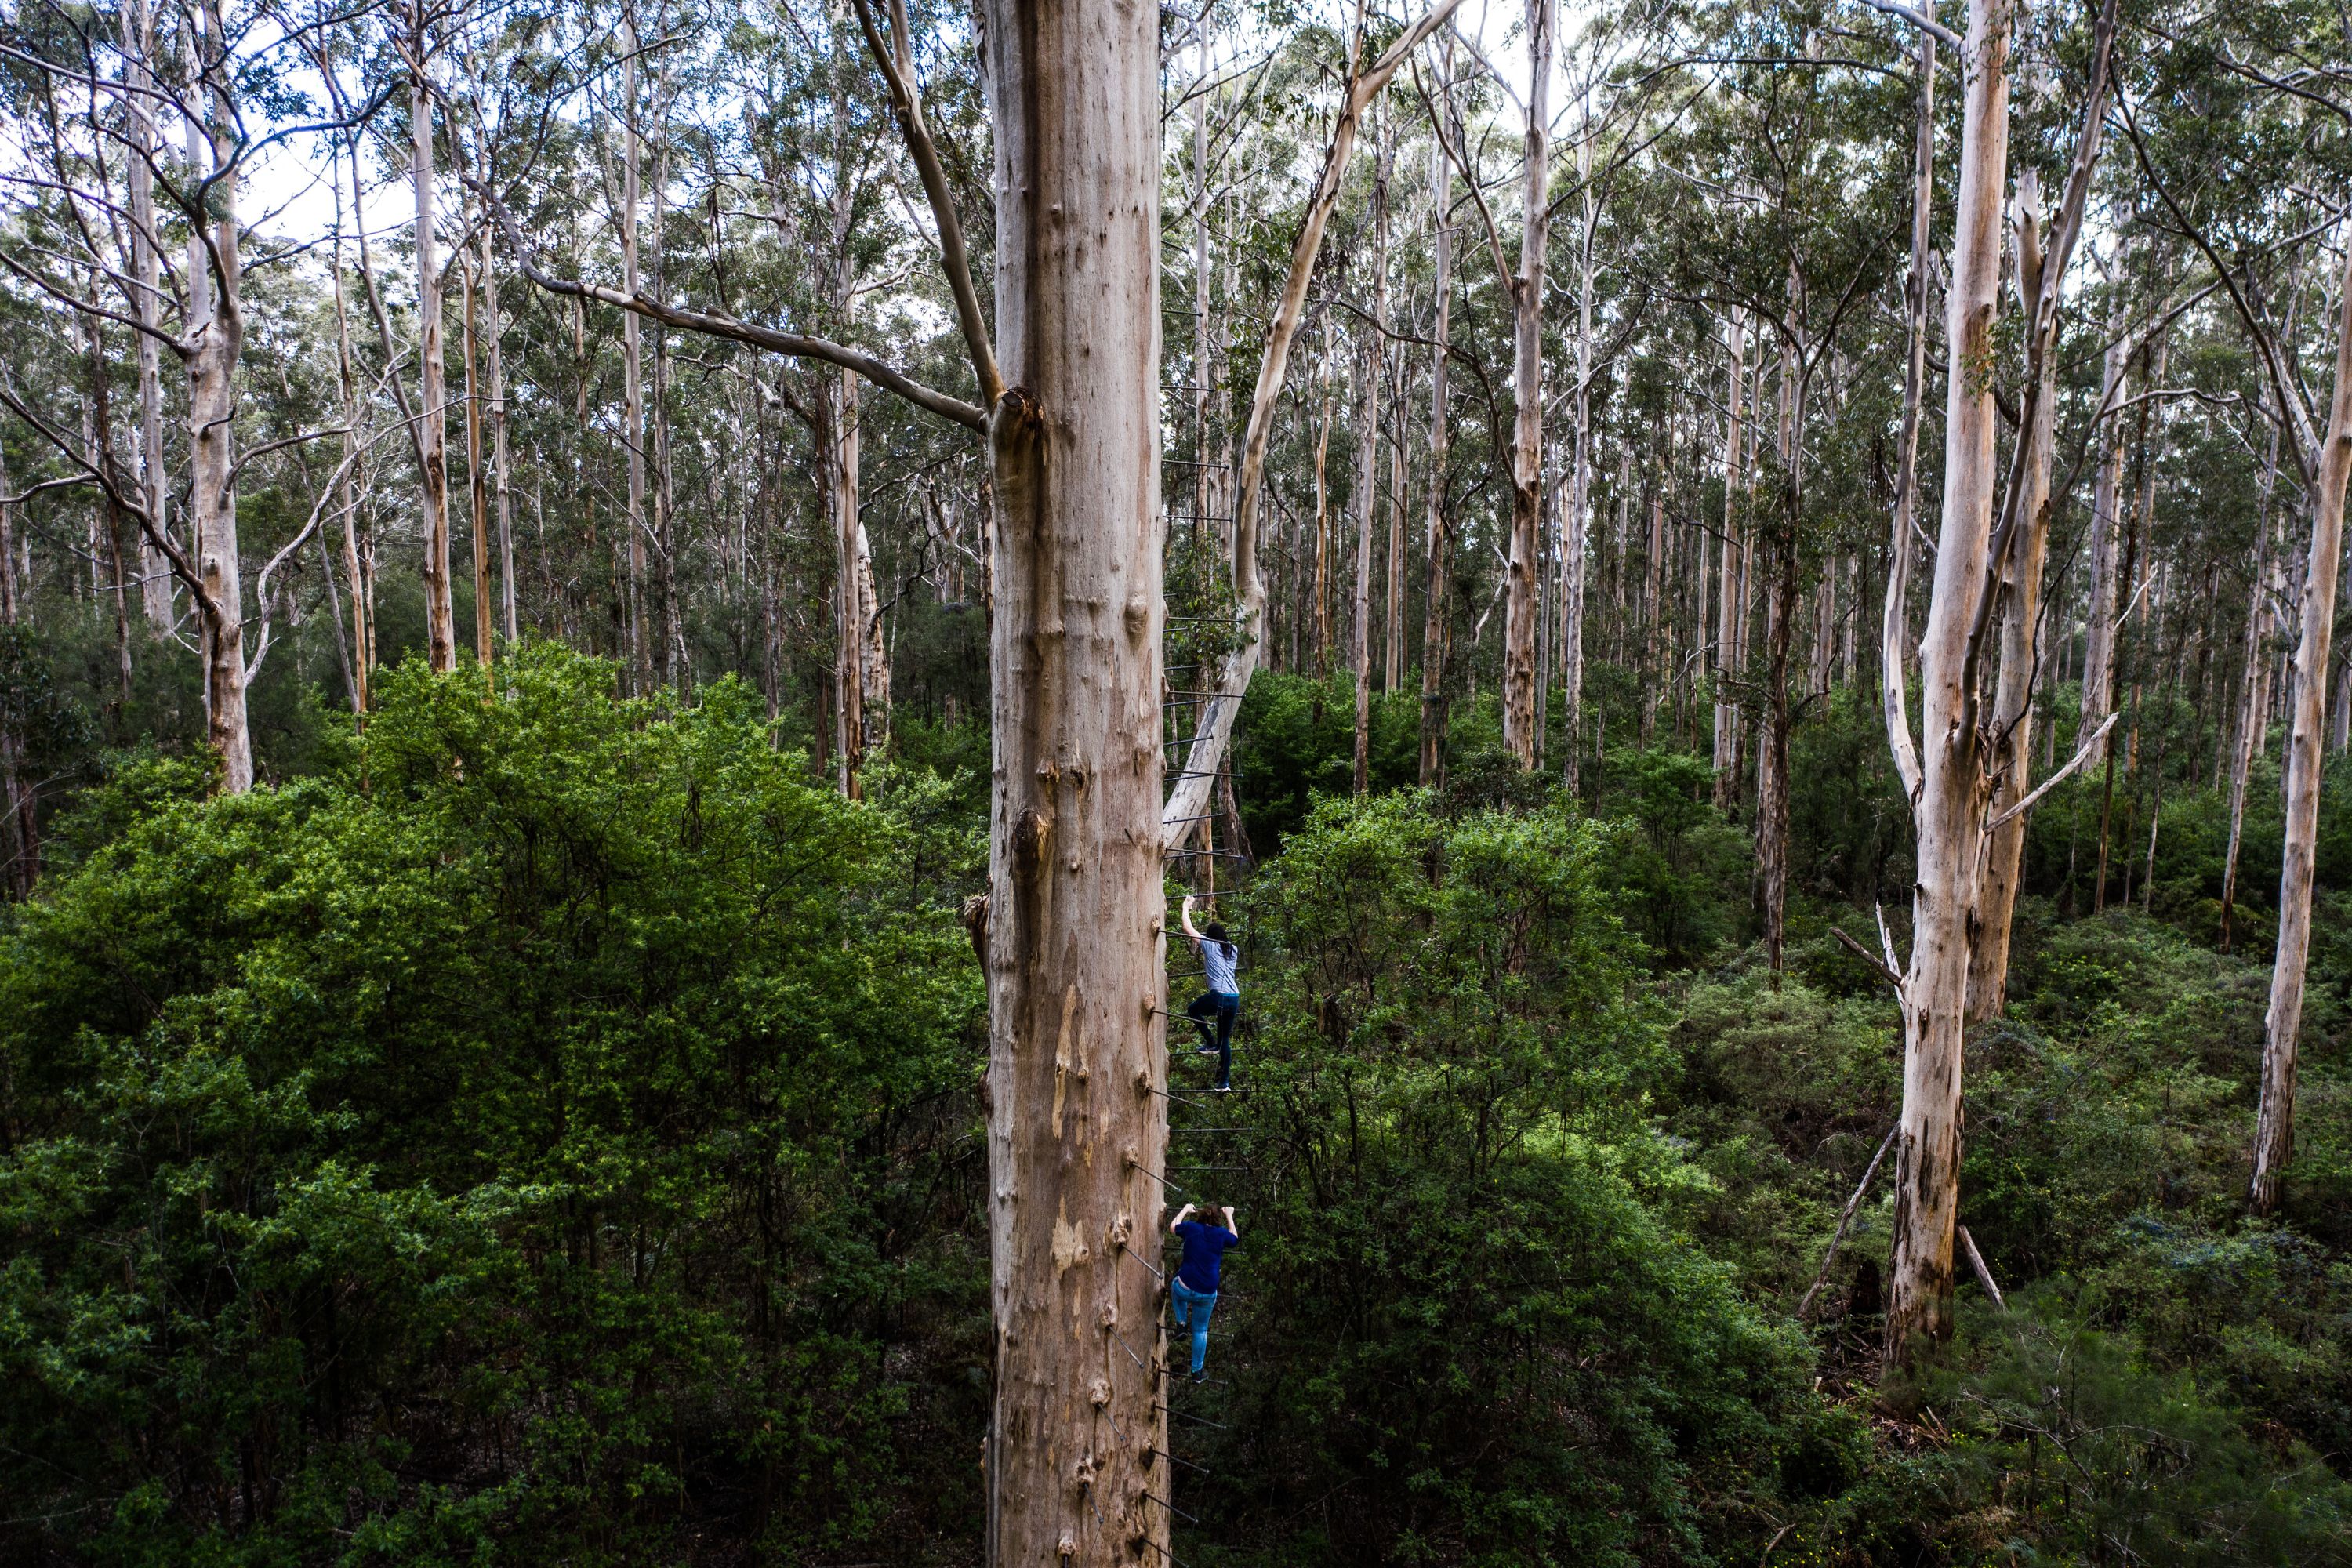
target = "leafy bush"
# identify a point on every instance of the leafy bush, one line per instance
(542, 1136)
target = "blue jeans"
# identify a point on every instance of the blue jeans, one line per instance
(1193, 1307)
(1223, 1007)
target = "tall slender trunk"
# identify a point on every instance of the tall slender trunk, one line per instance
(1076, 1132)
(1364, 503)
(346, 502)
(1519, 611)
(477, 481)
(848, 599)
(1575, 524)
(2251, 713)
(1434, 619)
(146, 270)
(432, 413)
(24, 863)
(1323, 522)
(2011, 755)
(1950, 812)
(2328, 467)
(2106, 494)
(1726, 641)
(507, 605)
(633, 389)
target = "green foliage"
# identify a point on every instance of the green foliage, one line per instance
(1472, 1332)
(535, 1140)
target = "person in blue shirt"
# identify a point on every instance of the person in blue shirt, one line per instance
(1192, 1290)
(1220, 1002)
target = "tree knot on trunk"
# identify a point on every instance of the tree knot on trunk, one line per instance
(1029, 837)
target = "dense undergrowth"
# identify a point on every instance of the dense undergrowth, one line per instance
(544, 1132)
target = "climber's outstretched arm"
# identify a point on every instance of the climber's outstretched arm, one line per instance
(1182, 1215)
(1185, 914)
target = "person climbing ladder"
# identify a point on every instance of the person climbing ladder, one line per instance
(1192, 1291)
(1223, 999)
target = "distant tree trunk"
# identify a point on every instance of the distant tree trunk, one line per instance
(1364, 503)
(633, 391)
(2328, 467)
(1728, 591)
(507, 596)
(1434, 619)
(1576, 524)
(1076, 1133)
(477, 481)
(363, 623)
(433, 413)
(2106, 494)
(24, 865)
(2011, 755)
(2251, 716)
(1520, 610)
(1950, 814)
(849, 596)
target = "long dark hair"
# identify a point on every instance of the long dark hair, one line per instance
(1215, 931)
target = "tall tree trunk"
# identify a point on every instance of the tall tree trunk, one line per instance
(1577, 523)
(346, 502)
(1519, 611)
(1728, 591)
(633, 390)
(477, 481)
(146, 268)
(1434, 619)
(2011, 756)
(2251, 708)
(432, 413)
(2329, 467)
(848, 597)
(1076, 1124)
(1364, 502)
(2106, 496)
(509, 622)
(1950, 814)
(23, 864)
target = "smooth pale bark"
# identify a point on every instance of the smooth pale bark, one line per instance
(1392, 612)
(1076, 1124)
(146, 270)
(1894, 676)
(209, 353)
(1950, 814)
(2328, 467)
(1188, 800)
(1519, 609)
(2010, 759)
(1434, 619)
(1729, 587)
(432, 413)
(1363, 502)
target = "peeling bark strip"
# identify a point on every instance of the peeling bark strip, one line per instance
(1074, 956)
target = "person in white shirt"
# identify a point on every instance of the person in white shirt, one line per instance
(1222, 1001)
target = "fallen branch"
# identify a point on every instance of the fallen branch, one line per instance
(2082, 754)
(1846, 1219)
(1869, 958)
(1984, 1275)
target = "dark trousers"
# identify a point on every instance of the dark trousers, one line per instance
(1222, 1008)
